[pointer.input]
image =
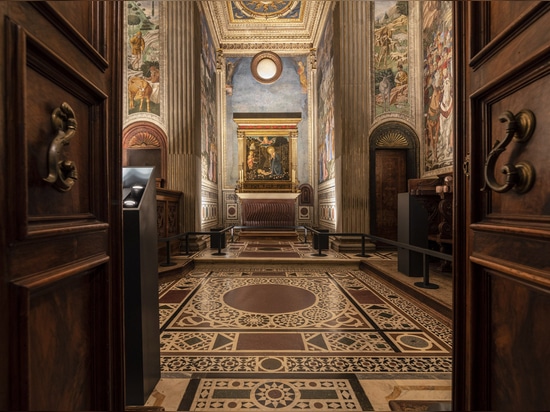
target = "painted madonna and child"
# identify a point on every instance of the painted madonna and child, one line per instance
(268, 158)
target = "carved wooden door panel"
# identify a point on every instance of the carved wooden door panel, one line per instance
(391, 179)
(61, 290)
(502, 248)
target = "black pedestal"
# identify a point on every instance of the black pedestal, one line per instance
(412, 228)
(141, 303)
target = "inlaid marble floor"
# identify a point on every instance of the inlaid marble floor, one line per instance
(287, 336)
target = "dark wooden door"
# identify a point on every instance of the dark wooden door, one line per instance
(61, 345)
(391, 179)
(502, 248)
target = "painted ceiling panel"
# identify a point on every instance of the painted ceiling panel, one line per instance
(278, 25)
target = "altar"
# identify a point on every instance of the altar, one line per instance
(268, 209)
(267, 187)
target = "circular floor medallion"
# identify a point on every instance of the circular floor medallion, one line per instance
(269, 298)
(271, 364)
(275, 395)
(414, 341)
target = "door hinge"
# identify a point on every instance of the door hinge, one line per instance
(466, 165)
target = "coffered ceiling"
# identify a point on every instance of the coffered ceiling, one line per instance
(244, 27)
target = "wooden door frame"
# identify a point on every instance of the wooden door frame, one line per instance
(391, 135)
(102, 217)
(461, 172)
(474, 334)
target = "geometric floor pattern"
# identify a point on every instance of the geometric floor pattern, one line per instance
(287, 321)
(256, 392)
(259, 249)
(290, 337)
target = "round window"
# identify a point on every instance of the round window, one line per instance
(266, 67)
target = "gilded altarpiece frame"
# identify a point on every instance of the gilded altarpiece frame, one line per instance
(268, 153)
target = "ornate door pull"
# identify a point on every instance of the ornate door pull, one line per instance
(519, 176)
(62, 172)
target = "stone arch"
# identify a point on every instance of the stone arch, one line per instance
(306, 195)
(396, 138)
(145, 144)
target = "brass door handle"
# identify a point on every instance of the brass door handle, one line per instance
(62, 172)
(519, 176)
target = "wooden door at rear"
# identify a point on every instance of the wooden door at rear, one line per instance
(391, 179)
(61, 317)
(502, 300)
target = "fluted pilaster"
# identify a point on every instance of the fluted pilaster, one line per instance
(352, 91)
(183, 40)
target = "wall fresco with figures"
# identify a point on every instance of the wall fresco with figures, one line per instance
(143, 51)
(391, 57)
(325, 104)
(326, 138)
(209, 130)
(437, 46)
(209, 144)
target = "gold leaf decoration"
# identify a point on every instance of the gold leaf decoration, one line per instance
(141, 139)
(392, 138)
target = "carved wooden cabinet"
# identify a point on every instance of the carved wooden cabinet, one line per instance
(168, 219)
(436, 195)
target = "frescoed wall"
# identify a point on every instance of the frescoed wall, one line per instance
(209, 131)
(325, 102)
(209, 144)
(391, 57)
(437, 46)
(143, 51)
(244, 94)
(326, 138)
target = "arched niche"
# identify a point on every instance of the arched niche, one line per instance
(144, 144)
(394, 157)
(306, 195)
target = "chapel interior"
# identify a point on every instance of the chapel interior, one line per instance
(269, 149)
(275, 205)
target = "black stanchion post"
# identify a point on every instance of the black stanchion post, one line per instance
(363, 254)
(217, 235)
(320, 239)
(426, 279)
(168, 262)
(187, 243)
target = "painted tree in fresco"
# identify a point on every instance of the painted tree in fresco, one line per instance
(391, 57)
(143, 68)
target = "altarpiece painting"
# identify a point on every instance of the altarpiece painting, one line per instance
(267, 153)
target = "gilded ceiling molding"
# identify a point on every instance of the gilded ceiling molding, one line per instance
(313, 58)
(284, 28)
(220, 60)
(296, 47)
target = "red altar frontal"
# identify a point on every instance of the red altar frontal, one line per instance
(268, 209)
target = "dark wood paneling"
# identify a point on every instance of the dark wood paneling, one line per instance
(61, 286)
(502, 282)
(520, 354)
(391, 179)
(66, 308)
(503, 15)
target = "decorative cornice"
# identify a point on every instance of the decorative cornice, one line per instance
(248, 47)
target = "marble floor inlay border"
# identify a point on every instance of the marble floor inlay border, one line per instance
(338, 319)
(319, 392)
